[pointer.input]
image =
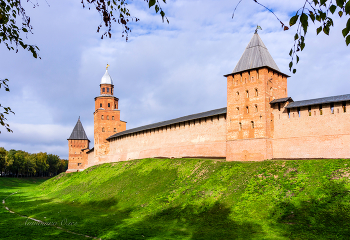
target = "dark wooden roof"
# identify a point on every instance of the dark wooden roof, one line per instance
(316, 101)
(255, 56)
(170, 122)
(280, 100)
(78, 132)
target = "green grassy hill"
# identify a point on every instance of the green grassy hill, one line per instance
(194, 199)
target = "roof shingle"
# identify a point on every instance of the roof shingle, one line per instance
(255, 55)
(339, 98)
(282, 100)
(78, 132)
(172, 121)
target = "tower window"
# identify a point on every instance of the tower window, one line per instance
(298, 109)
(237, 108)
(252, 123)
(112, 117)
(247, 92)
(256, 92)
(115, 106)
(102, 117)
(288, 111)
(109, 105)
(247, 109)
(107, 89)
(344, 106)
(115, 130)
(240, 126)
(103, 129)
(279, 106)
(256, 108)
(100, 105)
(237, 94)
(107, 117)
(332, 108)
(309, 109)
(320, 107)
(103, 89)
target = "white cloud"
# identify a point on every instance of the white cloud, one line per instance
(164, 70)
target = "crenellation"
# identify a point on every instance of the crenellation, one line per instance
(259, 123)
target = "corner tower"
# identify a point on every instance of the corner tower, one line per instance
(253, 84)
(78, 144)
(106, 117)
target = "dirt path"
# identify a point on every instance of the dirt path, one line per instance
(41, 222)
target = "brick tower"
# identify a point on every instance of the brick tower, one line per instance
(78, 144)
(106, 117)
(253, 84)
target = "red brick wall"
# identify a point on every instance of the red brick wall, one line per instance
(108, 89)
(269, 85)
(315, 136)
(204, 138)
(76, 156)
(249, 150)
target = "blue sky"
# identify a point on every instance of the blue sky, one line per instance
(164, 71)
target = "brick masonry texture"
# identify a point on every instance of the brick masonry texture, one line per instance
(199, 138)
(76, 155)
(253, 129)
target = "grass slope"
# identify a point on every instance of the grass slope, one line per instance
(193, 199)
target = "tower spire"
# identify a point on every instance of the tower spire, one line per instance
(255, 55)
(78, 132)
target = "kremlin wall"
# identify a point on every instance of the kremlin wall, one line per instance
(260, 122)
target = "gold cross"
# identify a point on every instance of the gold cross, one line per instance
(107, 66)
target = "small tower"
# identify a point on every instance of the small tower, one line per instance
(253, 84)
(78, 144)
(106, 117)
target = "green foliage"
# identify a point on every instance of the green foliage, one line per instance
(20, 163)
(10, 30)
(195, 199)
(6, 110)
(319, 11)
(117, 11)
(315, 10)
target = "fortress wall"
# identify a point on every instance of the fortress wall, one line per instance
(315, 136)
(200, 138)
(257, 149)
(77, 155)
(91, 159)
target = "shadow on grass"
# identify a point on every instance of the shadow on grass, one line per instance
(188, 223)
(323, 217)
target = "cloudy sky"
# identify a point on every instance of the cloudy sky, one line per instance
(164, 71)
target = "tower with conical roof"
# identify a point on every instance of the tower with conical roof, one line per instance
(78, 144)
(106, 117)
(254, 83)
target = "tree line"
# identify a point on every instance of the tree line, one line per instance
(18, 163)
